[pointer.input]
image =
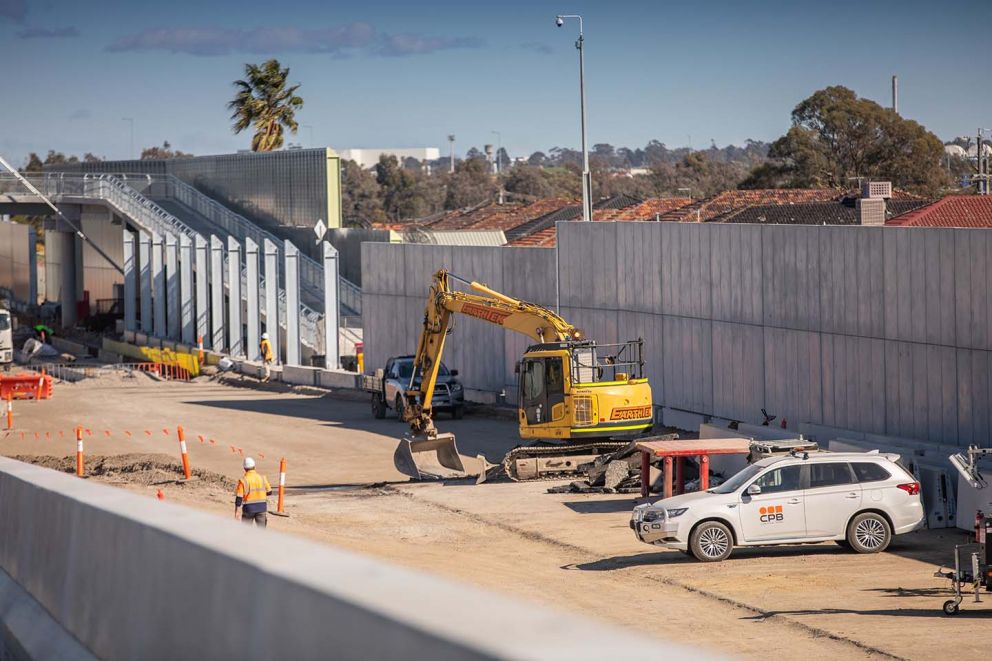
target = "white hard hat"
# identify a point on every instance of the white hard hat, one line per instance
(249, 463)
(265, 336)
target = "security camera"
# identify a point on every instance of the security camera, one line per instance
(559, 21)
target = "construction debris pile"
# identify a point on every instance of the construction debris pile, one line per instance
(613, 472)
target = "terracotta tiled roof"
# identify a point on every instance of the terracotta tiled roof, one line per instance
(729, 201)
(952, 211)
(649, 209)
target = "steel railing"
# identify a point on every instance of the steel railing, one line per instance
(144, 212)
(311, 271)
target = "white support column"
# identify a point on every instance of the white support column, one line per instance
(186, 297)
(32, 266)
(130, 281)
(173, 299)
(158, 285)
(202, 249)
(234, 297)
(272, 296)
(217, 294)
(292, 257)
(331, 307)
(253, 317)
(145, 281)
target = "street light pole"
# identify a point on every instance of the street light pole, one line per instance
(451, 161)
(131, 120)
(586, 176)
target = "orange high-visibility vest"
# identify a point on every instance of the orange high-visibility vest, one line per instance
(266, 348)
(253, 487)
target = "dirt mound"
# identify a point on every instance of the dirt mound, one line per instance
(139, 469)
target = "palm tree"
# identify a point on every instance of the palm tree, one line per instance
(264, 102)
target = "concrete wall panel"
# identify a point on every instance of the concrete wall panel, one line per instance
(853, 377)
(973, 288)
(852, 286)
(793, 378)
(919, 285)
(738, 371)
(791, 274)
(974, 397)
(687, 363)
(685, 270)
(921, 390)
(736, 265)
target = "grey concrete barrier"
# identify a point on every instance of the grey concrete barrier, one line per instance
(130, 577)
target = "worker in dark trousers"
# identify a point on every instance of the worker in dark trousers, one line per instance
(250, 497)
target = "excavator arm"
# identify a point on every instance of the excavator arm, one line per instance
(534, 321)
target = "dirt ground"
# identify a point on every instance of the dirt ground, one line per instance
(572, 551)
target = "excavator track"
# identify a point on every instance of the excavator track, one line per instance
(551, 452)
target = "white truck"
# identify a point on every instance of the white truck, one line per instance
(6, 339)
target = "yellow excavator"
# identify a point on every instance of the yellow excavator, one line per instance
(593, 396)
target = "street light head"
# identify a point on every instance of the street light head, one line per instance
(559, 21)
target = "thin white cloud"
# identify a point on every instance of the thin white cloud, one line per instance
(342, 41)
(48, 33)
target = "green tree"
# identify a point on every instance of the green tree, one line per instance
(361, 195)
(163, 152)
(34, 164)
(471, 184)
(836, 136)
(263, 101)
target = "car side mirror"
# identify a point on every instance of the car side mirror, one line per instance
(753, 490)
(454, 372)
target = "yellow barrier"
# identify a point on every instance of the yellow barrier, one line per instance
(187, 361)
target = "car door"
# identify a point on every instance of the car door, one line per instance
(833, 496)
(777, 513)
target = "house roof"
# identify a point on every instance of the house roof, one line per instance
(840, 212)
(951, 211)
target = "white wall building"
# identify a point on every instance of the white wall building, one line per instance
(367, 158)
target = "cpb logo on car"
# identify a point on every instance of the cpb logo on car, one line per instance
(771, 514)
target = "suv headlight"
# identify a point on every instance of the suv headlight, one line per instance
(653, 515)
(678, 511)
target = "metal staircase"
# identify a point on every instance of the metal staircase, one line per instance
(150, 217)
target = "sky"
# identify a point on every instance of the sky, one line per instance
(402, 73)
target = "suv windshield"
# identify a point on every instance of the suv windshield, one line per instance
(404, 368)
(738, 480)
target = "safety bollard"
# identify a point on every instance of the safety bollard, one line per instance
(10, 411)
(182, 447)
(79, 451)
(199, 345)
(41, 385)
(282, 486)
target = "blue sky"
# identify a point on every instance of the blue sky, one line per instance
(405, 74)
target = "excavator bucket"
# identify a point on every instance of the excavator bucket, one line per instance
(429, 458)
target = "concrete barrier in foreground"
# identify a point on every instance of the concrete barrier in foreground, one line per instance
(130, 577)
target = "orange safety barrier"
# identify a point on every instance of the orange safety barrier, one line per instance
(282, 485)
(26, 386)
(79, 451)
(168, 372)
(182, 448)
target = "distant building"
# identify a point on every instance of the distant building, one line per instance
(367, 158)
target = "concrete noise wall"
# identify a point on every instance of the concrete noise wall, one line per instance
(133, 578)
(17, 262)
(883, 330)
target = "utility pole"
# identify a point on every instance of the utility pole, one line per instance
(451, 162)
(895, 94)
(586, 176)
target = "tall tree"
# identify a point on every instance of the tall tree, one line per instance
(265, 103)
(163, 152)
(836, 136)
(361, 195)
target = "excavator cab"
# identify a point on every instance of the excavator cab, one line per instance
(581, 390)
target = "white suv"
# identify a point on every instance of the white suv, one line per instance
(859, 500)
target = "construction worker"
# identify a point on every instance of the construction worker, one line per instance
(250, 497)
(265, 348)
